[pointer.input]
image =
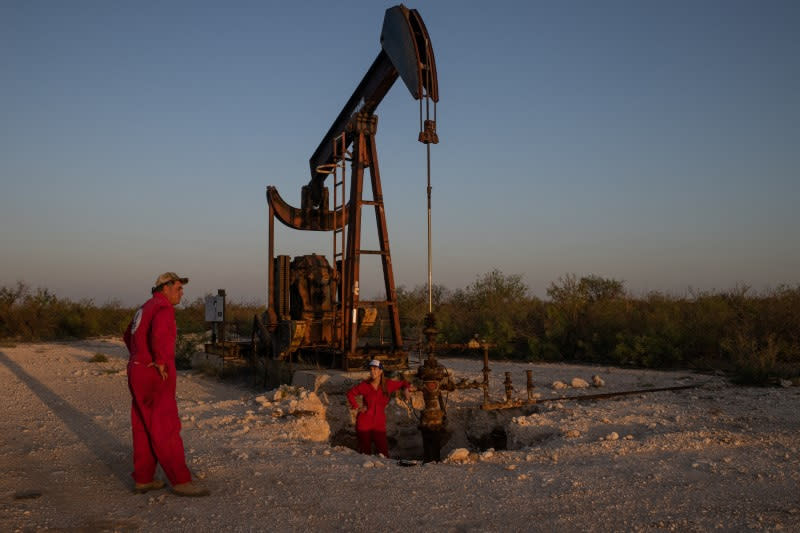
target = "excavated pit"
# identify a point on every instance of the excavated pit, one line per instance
(474, 429)
(468, 426)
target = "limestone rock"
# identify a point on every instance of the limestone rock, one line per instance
(579, 383)
(459, 455)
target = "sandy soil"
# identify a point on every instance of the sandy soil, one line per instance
(710, 457)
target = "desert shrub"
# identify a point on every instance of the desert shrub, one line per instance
(240, 315)
(99, 358)
(190, 317)
(584, 316)
(10, 298)
(753, 362)
(762, 344)
(27, 314)
(649, 351)
(540, 349)
(589, 319)
(185, 348)
(412, 307)
(495, 308)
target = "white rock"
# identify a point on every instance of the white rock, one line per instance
(612, 436)
(597, 381)
(559, 385)
(459, 455)
(579, 383)
(572, 434)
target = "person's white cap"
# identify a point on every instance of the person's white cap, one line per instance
(377, 363)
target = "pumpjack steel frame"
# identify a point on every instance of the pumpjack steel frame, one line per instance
(325, 313)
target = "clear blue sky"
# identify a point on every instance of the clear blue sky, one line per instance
(654, 142)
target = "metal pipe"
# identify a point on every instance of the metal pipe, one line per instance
(430, 246)
(529, 374)
(486, 371)
(519, 403)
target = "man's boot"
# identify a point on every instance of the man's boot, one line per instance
(191, 489)
(141, 488)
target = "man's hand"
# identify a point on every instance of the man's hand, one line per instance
(162, 370)
(408, 391)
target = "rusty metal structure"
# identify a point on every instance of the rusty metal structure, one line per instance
(315, 310)
(513, 403)
(435, 379)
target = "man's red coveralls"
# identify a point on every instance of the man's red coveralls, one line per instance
(371, 424)
(150, 338)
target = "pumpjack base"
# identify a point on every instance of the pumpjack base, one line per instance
(390, 360)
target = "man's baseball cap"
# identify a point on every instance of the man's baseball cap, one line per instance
(168, 277)
(377, 363)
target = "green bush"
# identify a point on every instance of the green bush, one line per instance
(185, 348)
(27, 315)
(589, 319)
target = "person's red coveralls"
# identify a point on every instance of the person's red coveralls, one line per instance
(150, 338)
(371, 424)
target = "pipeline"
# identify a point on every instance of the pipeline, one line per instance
(510, 404)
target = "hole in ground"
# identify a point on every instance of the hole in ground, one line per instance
(496, 439)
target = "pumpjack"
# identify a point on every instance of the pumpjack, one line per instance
(315, 311)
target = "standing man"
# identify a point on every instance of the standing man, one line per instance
(150, 338)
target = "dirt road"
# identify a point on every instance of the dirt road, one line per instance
(713, 457)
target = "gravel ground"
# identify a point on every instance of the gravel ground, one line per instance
(709, 457)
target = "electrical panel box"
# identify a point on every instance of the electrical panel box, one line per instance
(215, 308)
